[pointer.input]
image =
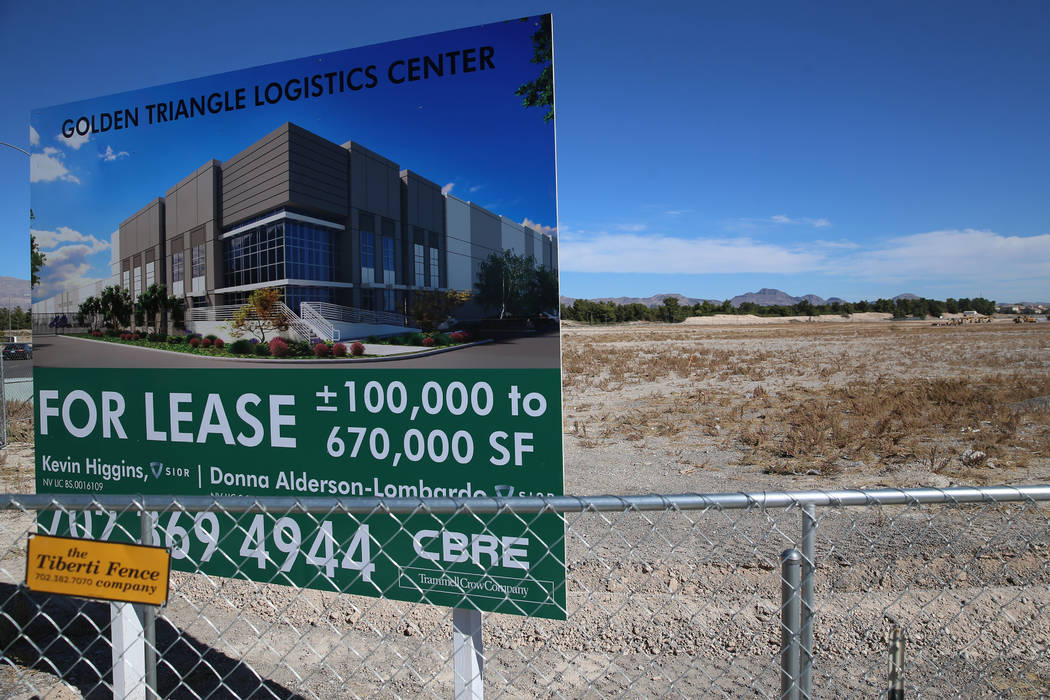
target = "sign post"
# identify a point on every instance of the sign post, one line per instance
(467, 654)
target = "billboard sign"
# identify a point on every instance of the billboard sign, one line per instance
(328, 277)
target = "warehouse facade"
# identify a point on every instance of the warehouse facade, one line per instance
(326, 223)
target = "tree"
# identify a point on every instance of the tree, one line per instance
(545, 289)
(540, 92)
(90, 311)
(504, 283)
(152, 302)
(173, 305)
(36, 261)
(431, 308)
(116, 307)
(261, 315)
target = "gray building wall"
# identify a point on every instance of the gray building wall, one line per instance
(485, 237)
(192, 216)
(141, 239)
(423, 208)
(458, 253)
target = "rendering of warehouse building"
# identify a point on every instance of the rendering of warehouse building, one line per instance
(337, 227)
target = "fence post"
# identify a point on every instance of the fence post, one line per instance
(3, 400)
(809, 565)
(149, 618)
(467, 660)
(895, 690)
(790, 560)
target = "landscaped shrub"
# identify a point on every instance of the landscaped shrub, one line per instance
(219, 343)
(97, 333)
(112, 333)
(442, 339)
(357, 349)
(195, 342)
(322, 350)
(262, 350)
(459, 336)
(429, 342)
(278, 348)
(372, 339)
(135, 336)
(415, 338)
(241, 347)
(156, 337)
(206, 343)
(176, 339)
(212, 337)
(339, 350)
(298, 348)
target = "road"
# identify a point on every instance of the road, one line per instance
(531, 352)
(18, 369)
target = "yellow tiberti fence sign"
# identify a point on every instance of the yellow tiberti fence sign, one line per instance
(131, 573)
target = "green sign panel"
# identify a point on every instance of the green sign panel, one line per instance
(329, 433)
(328, 277)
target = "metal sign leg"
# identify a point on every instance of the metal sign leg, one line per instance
(467, 658)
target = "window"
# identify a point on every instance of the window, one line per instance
(136, 281)
(434, 278)
(389, 276)
(178, 272)
(420, 265)
(389, 300)
(151, 274)
(368, 257)
(178, 266)
(284, 249)
(295, 296)
(368, 299)
(197, 267)
(126, 280)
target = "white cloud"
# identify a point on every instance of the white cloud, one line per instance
(540, 228)
(962, 262)
(632, 228)
(447, 188)
(48, 240)
(34, 137)
(66, 268)
(976, 258)
(475, 188)
(48, 167)
(609, 252)
(677, 212)
(75, 141)
(110, 154)
(835, 245)
(805, 220)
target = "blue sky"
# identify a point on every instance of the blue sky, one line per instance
(707, 149)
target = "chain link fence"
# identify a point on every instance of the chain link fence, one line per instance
(679, 596)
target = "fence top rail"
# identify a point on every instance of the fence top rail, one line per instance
(555, 504)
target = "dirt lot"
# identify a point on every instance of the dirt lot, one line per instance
(686, 604)
(796, 406)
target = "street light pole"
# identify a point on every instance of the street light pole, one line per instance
(11, 145)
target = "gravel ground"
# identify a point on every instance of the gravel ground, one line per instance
(684, 604)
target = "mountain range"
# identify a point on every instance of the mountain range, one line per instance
(763, 297)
